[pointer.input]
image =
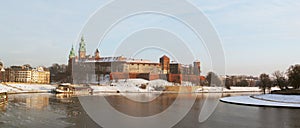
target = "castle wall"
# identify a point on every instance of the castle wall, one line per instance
(143, 68)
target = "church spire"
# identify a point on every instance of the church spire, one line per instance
(97, 54)
(72, 53)
(82, 45)
(82, 38)
(82, 48)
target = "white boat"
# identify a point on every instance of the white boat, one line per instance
(3, 97)
(73, 89)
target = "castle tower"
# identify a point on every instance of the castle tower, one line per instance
(71, 61)
(97, 55)
(197, 69)
(82, 49)
(72, 53)
(165, 64)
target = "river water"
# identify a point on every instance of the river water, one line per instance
(65, 111)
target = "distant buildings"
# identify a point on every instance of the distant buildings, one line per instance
(1, 71)
(84, 68)
(240, 80)
(40, 75)
(25, 74)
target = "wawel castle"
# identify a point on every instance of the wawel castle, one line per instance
(85, 69)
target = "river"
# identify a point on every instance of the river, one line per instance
(65, 111)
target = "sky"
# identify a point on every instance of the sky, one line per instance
(257, 36)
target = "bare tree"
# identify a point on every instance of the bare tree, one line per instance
(280, 80)
(294, 76)
(213, 79)
(265, 82)
(228, 83)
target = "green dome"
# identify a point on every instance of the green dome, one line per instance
(72, 53)
(82, 45)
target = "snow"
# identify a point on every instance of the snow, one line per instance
(159, 82)
(104, 89)
(132, 85)
(243, 89)
(277, 100)
(280, 98)
(232, 89)
(33, 87)
(124, 85)
(18, 88)
(119, 88)
(131, 82)
(4, 88)
(122, 59)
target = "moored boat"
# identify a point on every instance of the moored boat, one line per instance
(3, 97)
(73, 89)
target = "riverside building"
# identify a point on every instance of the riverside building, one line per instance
(26, 74)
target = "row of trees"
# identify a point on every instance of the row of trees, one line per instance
(212, 79)
(58, 73)
(283, 80)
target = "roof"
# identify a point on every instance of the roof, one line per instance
(72, 53)
(165, 57)
(140, 61)
(121, 59)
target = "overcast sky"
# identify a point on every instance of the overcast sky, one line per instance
(257, 36)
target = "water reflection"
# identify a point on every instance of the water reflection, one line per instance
(141, 109)
(59, 111)
(30, 101)
(3, 107)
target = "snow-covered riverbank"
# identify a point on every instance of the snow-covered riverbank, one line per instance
(133, 85)
(270, 100)
(24, 88)
(295, 99)
(232, 89)
(130, 85)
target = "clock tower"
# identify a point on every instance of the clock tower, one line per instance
(82, 49)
